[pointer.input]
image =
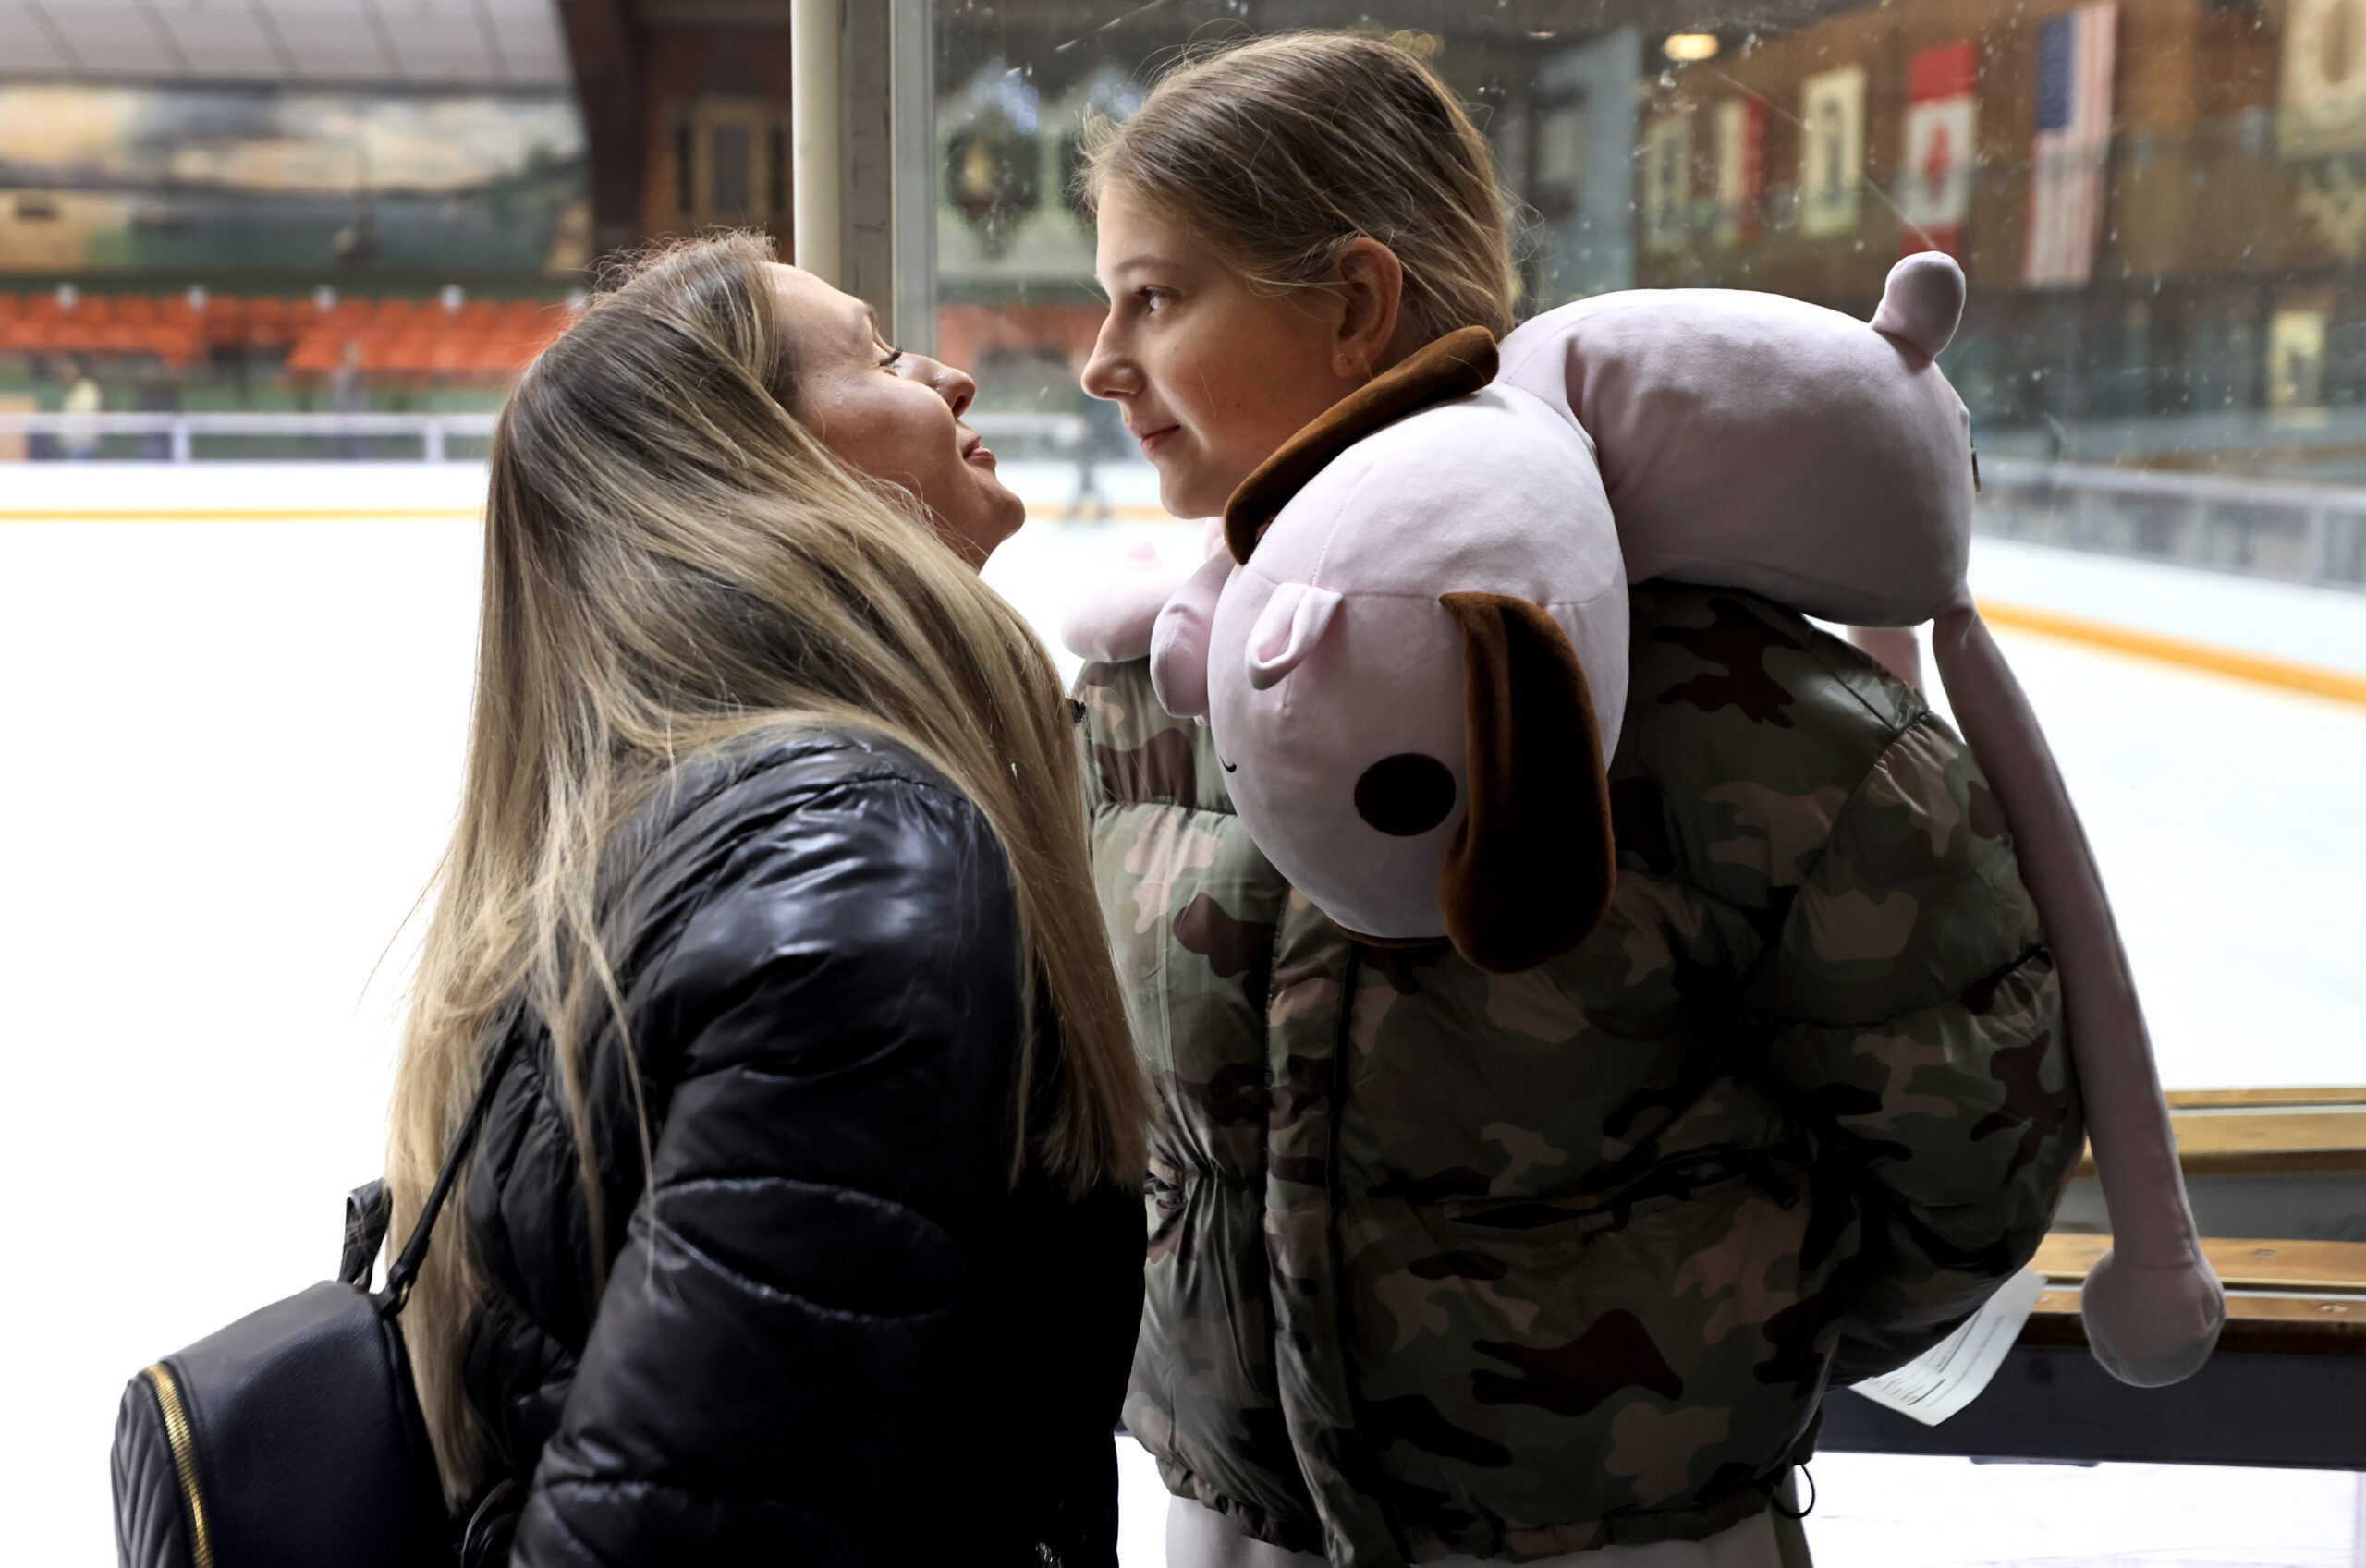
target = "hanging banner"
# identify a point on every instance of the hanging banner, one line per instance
(1831, 151)
(1587, 122)
(1741, 167)
(1667, 183)
(1942, 130)
(2323, 108)
(2072, 136)
(2296, 359)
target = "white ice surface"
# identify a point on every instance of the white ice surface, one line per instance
(234, 752)
(1891, 1511)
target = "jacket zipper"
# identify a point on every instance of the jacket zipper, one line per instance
(184, 1447)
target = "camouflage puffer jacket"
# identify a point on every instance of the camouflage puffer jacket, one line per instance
(1516, 1266)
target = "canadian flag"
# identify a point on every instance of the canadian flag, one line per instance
(1942, 146)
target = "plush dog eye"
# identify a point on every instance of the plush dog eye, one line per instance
(1404, 795)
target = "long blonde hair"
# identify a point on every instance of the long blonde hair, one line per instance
(673, 561)
(1283, 150)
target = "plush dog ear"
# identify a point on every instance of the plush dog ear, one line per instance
(1921, 302)
(1287, 631)
(1530, 870)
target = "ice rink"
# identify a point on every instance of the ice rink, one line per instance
(240, 695)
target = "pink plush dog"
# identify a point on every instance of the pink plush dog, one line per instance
(1411, 654)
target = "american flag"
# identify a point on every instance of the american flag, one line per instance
(2074, 66)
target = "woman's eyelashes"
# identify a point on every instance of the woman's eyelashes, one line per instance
(893, 356)
(1147, 301)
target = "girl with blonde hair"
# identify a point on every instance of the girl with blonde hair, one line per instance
(802, 1225)
(1449, 1266)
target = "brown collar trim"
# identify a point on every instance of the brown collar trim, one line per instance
(1457, 363)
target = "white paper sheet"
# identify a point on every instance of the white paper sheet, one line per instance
(1949, 1375)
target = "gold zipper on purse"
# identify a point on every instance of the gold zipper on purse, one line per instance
(184, 1447)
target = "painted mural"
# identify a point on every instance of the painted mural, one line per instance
(139, 179)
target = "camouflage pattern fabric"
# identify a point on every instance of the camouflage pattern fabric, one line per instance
(1522, 1265)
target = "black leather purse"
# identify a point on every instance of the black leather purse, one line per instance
(293, 1438)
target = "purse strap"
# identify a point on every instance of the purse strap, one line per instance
(405, 1270)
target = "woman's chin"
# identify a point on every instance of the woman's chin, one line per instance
(1004, 506)
(1012, 522)
(1188, 496)
(1176, 499)
(996, 514)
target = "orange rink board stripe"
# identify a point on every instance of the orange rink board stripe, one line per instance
(2258, 668)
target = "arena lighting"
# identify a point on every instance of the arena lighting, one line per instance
(1690, 46)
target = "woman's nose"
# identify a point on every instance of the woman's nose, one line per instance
(1107, 372)
(956, 387)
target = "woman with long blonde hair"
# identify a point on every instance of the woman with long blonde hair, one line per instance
(802, 1225)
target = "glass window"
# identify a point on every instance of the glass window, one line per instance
(2160, 206)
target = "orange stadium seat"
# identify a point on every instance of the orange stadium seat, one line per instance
(413, 349)
(488, 338)
(264, 323)
(315, 351)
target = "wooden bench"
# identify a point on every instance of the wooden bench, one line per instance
(2282, 1171)
(2286, 1163)
(2258, 1163)
(2254, 1132)
(2305, 1298)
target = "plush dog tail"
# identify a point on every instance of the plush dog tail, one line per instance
(2151, 1305)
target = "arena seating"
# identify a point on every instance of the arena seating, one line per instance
(481, 338)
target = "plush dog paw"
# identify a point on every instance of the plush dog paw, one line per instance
(2152, 1325)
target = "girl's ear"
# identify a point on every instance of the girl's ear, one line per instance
(1370, 284)
(1530, 870)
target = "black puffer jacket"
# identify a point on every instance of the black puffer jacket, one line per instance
(832, 1330)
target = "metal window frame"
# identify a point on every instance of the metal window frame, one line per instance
(887, 117)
